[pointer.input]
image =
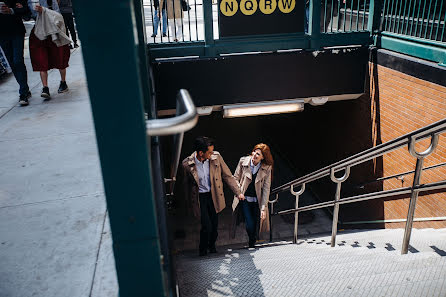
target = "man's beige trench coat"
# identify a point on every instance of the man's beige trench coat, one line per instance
(243, 175)
(218, 171)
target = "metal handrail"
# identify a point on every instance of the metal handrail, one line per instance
(433, 131)
(361, 185)
(377, 151)
(185, 119)
(179, 123)
(370, 196)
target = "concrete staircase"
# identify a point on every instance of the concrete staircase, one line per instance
(363, 263)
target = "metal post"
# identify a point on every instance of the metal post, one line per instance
(271, 218)
(314, 24)
(126, 168)
(338, 181)
(271, 223)
(296, 214)
(208, 28)
(416, 181)
(374, 20)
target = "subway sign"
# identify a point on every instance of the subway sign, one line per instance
(259, 17)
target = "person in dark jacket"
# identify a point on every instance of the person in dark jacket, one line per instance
(12, 37)
(156, 18)
(66, 9)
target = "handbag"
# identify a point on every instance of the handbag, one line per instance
(184, 5)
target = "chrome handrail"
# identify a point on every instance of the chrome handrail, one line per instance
(361, 185)
(377, 151)
(177, 124)
(186, 118)
(433, 131)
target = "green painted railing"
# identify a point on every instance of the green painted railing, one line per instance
(329, 23)
(414, 27)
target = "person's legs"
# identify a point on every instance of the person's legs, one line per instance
(214, 227)
(69, 23)
(205, 199)
(45, 90)
(63, 74)
(172, 29)
(164, 23)
(63, 87)
(156, 21)
(179, 24)
(13, 49)
(44, 78)
(249, 221)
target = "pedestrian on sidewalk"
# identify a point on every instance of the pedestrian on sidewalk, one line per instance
(157, 18)
(203, 175)
(12, 37)
(49, 44)
(66, 9)
(175, 17)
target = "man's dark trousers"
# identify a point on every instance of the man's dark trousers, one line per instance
(13, 48)
(209, 222)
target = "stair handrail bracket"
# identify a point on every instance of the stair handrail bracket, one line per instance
(179, 123)
(410, 139)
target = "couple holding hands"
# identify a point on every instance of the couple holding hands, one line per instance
(203, 175)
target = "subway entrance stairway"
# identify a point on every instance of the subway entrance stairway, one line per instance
(363, 263)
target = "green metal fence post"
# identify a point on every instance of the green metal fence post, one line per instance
(374, 20)
(314, 24)
(115, 65)
(208, 28)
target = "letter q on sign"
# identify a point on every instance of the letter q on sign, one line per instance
(248, 7)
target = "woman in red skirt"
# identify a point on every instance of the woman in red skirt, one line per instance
(45, 54)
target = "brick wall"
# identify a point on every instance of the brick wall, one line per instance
(401, 103)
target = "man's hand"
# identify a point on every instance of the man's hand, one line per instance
(263, 214)
(241, 197)
(39, 8)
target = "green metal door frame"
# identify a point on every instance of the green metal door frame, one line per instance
(115, 64)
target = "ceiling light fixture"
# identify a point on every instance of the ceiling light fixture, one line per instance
(262, 108)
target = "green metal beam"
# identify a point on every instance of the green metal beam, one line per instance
(345, 39)
(116, 83)
(238, 45)
(411, 48)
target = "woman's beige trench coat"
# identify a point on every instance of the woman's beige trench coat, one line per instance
(243, 176)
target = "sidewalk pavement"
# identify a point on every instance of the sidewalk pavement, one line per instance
(54, 231)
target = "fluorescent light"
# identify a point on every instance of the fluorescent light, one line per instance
(262, 108)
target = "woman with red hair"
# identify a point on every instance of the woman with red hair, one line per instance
(254, 173)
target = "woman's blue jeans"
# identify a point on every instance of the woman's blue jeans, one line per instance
(252, 215)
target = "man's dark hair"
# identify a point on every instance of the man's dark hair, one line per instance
(202, 143)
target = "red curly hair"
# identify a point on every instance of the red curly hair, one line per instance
(266, 152)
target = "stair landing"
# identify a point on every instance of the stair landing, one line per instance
(363, 263)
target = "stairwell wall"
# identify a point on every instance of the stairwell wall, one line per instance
(407, 94)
